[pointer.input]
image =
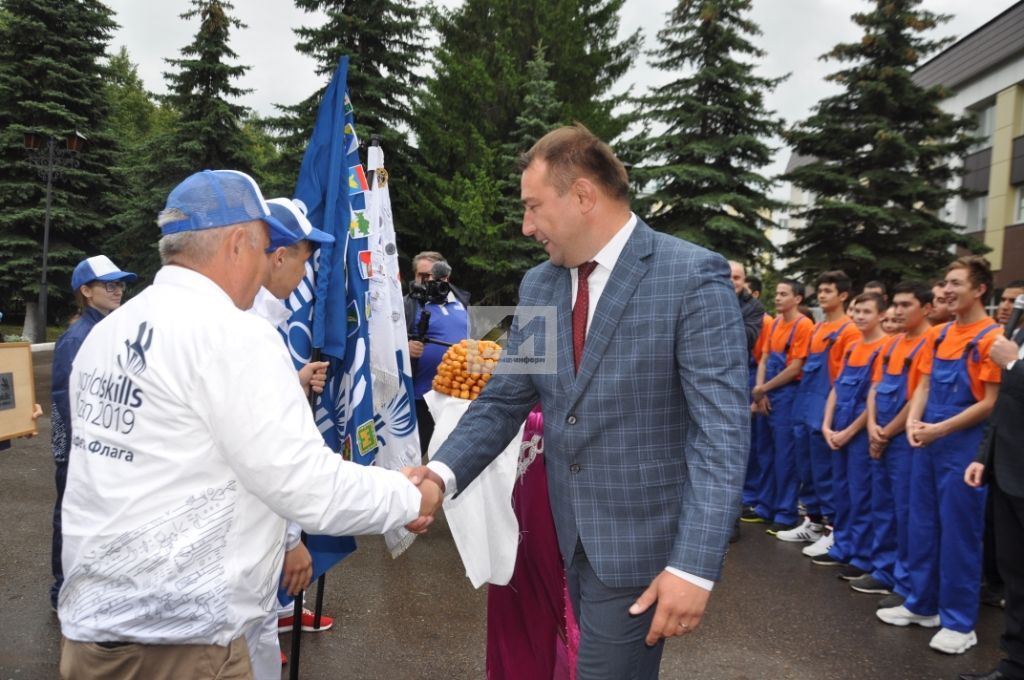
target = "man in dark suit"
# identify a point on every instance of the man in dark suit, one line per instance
(646, 417)
(1001, 463)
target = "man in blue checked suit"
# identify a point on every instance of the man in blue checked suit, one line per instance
(646, 419)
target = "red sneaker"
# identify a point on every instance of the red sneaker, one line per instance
(284, 659)
(284, 623)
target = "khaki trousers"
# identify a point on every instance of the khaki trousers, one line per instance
(91, 661)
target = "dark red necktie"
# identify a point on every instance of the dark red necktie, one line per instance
(579, 311)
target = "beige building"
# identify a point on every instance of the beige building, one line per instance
(985, 71)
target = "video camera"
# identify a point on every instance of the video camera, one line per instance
(434, 291)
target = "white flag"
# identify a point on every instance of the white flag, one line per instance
(390, 366)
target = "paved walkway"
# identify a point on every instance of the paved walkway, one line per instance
(775, 615)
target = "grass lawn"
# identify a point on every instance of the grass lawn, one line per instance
(52, 332)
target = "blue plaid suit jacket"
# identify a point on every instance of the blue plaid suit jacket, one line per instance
(646, 446)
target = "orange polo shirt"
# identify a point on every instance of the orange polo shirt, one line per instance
(860, 352)
(801, 337)
(902, 346)
(952, 347)
(819, 341)
(762, 338)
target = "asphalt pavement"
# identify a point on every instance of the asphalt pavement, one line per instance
(773, 616)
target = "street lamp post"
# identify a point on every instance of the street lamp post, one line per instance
(50, 161)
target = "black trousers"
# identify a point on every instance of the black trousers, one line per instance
(1008, 516)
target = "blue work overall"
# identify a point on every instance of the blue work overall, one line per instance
(851, 475)
(779, 503)
(813, 456)
(758, 483)
(947, 516)
(890, 479)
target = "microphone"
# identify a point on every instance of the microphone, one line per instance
(1018, 310)
(441, 270)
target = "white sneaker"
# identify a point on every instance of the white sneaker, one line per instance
(820, 546)
(808, 532)
(901, 616)
(952, 642)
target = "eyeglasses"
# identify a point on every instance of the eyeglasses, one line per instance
(111, 286)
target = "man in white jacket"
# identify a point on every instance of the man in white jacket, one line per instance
(194, 445)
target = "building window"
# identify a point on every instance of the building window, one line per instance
(986, 127)
(977, 213)
(1018, 213)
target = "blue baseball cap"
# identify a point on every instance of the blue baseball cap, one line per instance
(219, 198)
(292, 214)
(98, 268)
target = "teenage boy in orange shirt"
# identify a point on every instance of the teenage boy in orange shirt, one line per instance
(956, 394)
(894, 380)
(828, 343)
(777, 377)
(844, 431)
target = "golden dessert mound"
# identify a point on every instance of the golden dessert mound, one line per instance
(466, 367)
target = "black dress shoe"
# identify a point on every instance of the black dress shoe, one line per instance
(991, 675)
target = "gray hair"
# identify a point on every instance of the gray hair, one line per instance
(197, 247)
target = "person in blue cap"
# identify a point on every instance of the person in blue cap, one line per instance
(98, 286)
(288, 258)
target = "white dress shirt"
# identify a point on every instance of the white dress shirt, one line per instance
(191, 442)
(605, 259)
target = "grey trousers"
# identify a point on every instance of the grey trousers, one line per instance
(612, 643)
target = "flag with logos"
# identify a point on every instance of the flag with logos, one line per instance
(390, 366)
(331, 308)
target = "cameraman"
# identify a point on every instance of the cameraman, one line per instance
(448, 323)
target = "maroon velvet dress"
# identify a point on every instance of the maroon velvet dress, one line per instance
(531, 631)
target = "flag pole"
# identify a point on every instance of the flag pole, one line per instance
(293, 658)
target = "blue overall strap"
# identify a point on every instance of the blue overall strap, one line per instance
(942, 336)
(972, 346)
(792, 332)
(888, 355)
(909, 359)
(835, 335)
(849, 351)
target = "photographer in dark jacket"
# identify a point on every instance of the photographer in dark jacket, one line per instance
(435, 310)
(1000, 463)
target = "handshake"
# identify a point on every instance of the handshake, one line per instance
(431, 488)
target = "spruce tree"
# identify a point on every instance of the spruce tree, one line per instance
(485, 199)
(698, 172)
(51, 84)
(202, 129)
(385, 45)
(881, 157)
(469, 107)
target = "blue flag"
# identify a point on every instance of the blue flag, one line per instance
(330, 309)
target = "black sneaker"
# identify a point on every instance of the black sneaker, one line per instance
(750, 515)
(850, 573)
(992, 597)
(870, 584)
(889, 601)
(827, 560)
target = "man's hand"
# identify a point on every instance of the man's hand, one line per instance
(313, 376)
(1003, 351)
(922, 434)
(680, 604)
(758, 393)
(973, 475)
(878, 441)
(37, 413)
(431, 488)
(298, 570)
(829, 434)
(415, 349)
